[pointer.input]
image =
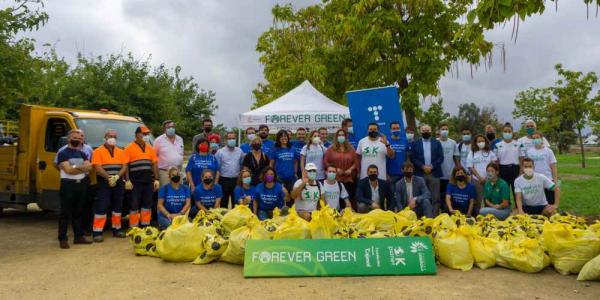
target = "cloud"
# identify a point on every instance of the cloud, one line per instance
(214, 41)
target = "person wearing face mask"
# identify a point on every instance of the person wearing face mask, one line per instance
(169, 151)
(399, 146)
(207, 126)
(230, 160)
(428, 156)
(109, 162)
(214, 143)
(526, 142)
(207, 195)
(334, 192)
(270, 194)
(298, 144)
(508, 152)
(174, 199)
(374, 150)
(349, 129)
(480, 156)
(283, 158)
(412, 192)
(263, 133)
(323, 136)
(530, 195)
(460, 194)
(544, 161)
(245, 192)
(250, 135)
(374, 193)
(73, 165)
(201, 160)
(342, 155)
(313, 152)
(463, 148)
(307, 193)
(451, 156)
(256, 160)
(490, 134)
(142, 169)
(496, 194)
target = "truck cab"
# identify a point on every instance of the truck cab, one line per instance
(27, 170)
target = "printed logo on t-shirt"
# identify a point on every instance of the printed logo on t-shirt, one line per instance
(371, 151)
(310, 196)
(268, 198)
(531, 189)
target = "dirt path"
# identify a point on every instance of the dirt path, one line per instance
(32, 266)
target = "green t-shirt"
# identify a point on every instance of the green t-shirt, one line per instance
(495, 193)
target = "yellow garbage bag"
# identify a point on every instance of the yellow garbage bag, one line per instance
(270, 226)
(452, 249)
(523, 254)
(182, 241)
(237, 241)
(294, 228)
(595, 228)
(143, 240)
(322, 224)
(591, 270)
(407, 214)
(237, 217)
(482, 249)
(213, 246)
(569, 248)
(566, 218)
(378, 219)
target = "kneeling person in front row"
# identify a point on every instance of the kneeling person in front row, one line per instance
(412, 191)
(529, 192)
(207, 195)
(173, 199)
(373, 193)
(307, 192)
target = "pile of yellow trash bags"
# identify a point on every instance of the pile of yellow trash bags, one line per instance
(521, 242)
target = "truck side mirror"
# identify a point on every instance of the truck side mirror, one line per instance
(62, 141)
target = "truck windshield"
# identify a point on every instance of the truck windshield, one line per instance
(94, 131)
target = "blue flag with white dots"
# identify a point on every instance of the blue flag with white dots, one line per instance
(379, 105)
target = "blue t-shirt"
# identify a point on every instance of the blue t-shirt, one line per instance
(268, 199)
(461, 197)
(394, 166)
(74, 156)
(198, 163)
(245, 148)
(297, 146)
(352, 140)
(284, 162)
(174, 198)
(267, 145)
(240, 192)
(327, 144)
(208, 197)
(494, 143)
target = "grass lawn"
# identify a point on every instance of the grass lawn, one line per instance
(580, 187)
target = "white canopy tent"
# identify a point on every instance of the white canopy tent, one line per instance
(304, 106)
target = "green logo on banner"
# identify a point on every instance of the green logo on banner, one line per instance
(343, 257)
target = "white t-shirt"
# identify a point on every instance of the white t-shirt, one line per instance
(542, 159)
(526, 143)
(315, 155)
(332, 194)
(508, 153)
(309, 197)
(532, 190)
(450, 151)
(479, 161)
(372, 153)
(464, 153)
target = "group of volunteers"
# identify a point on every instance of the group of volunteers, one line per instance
(429, 174)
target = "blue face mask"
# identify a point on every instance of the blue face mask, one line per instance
(507, 135)
(312, 175)
(246, 180)
(331, 175)
(170, 131)
(466, 138)
(536, 142)
(341, 139)
(396, 132)
(214, 146)
(231, 143)
(444, 133)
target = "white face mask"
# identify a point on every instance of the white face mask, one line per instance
(316, 140)
(251, 136)
(481, 145)
(146, 138)
(528, 172)
(111, 141)
(410, 136)
(350, 130)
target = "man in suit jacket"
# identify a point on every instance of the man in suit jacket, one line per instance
(373, 193)
(411, 191)
(427, 157)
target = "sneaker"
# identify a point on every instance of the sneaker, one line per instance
(64, 244)
(119, 234)
(82, 240)
(98, 239)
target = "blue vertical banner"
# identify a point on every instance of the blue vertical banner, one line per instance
(379, 105)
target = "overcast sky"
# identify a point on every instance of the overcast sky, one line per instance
(214, 41)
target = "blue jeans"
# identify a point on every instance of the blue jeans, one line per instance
(262, 214)
(501, 214)
(163, 222)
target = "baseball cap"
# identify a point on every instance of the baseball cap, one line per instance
(310, 167)
(143, 129)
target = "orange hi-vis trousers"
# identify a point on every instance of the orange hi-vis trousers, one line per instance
(108, 197)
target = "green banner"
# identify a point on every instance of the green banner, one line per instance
(343, 257)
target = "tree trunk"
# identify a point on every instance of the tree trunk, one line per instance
(411, 117)
(582, 149)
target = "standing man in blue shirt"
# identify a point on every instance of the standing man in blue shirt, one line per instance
(230, 160)
(297, 145)
(398, 145)
(427, 155)
(263, 133)
(347, 126)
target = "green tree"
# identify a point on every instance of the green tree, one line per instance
(473, 117)
(435, 114)
(342, 45)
